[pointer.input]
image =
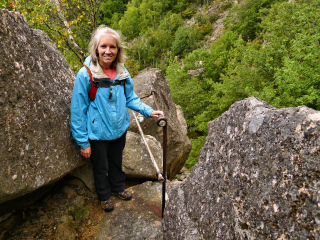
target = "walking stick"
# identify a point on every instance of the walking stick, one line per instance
(159, 175)
(161, 122)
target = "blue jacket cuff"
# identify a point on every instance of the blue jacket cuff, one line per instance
(149, 112)
(85, 145)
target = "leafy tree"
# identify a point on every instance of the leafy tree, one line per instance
(152, 48)
(188, 13)
(111, 11)
(129, 23)
(284, 69)
(141, 15)
(198, 94)
(171, 22)
(197, 144)
(185, 40)
(245, 17)
(180, 6)
(8, 4)
(293, 31)
(132, 66)
(64, 22)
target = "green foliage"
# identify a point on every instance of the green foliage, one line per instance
(111, 11)
(204, 24)
(181, 40)
(213, 17)
(141, 15)
(190, 92)
(171, 22)
(151, 47)
(284, 71)
(185, 40)
(68, 23)
(132, 66)
(197, 144)
(156, 32)
(129, 23)
(188, 13)
(244, 18)
(197, 94)
(7, 4)
(179, 6)
(295, 44)
(227, 4)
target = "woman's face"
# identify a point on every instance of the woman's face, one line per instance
(107, 50)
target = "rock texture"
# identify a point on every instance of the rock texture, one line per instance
(179, 145)
(257, 178)
(36, 86)
(139, 218)
(136, 159)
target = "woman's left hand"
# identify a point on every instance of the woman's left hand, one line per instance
(156, 114)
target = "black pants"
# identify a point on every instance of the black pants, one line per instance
(106, 158)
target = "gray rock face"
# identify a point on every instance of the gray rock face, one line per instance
(136, 159)
(36, 86)
(179, 145)
(257, 178)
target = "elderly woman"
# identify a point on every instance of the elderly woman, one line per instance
(99, 125)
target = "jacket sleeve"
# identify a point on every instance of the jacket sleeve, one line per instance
(79, 106)
(134, 102)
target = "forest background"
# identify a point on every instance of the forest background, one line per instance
(269, 48)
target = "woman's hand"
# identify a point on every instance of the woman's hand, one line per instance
(86, 152)
(156, 114)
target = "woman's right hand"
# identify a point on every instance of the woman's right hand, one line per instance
(86, 152)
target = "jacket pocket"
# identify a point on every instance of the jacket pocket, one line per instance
(94, 120)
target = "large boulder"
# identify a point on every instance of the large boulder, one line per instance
(36, 86)
(179, 145)
(257, 178)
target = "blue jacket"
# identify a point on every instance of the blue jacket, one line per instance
(102, 119)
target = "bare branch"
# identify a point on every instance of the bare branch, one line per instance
(67, 26)
(66, 41)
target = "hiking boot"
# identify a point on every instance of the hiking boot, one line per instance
(107, 205)
(125, 195)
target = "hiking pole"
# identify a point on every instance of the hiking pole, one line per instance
(162, 122)
(164, 147)
(158, 174)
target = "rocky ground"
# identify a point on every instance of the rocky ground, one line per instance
(69, 211)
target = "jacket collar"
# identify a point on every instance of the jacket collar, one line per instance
(97, 71)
